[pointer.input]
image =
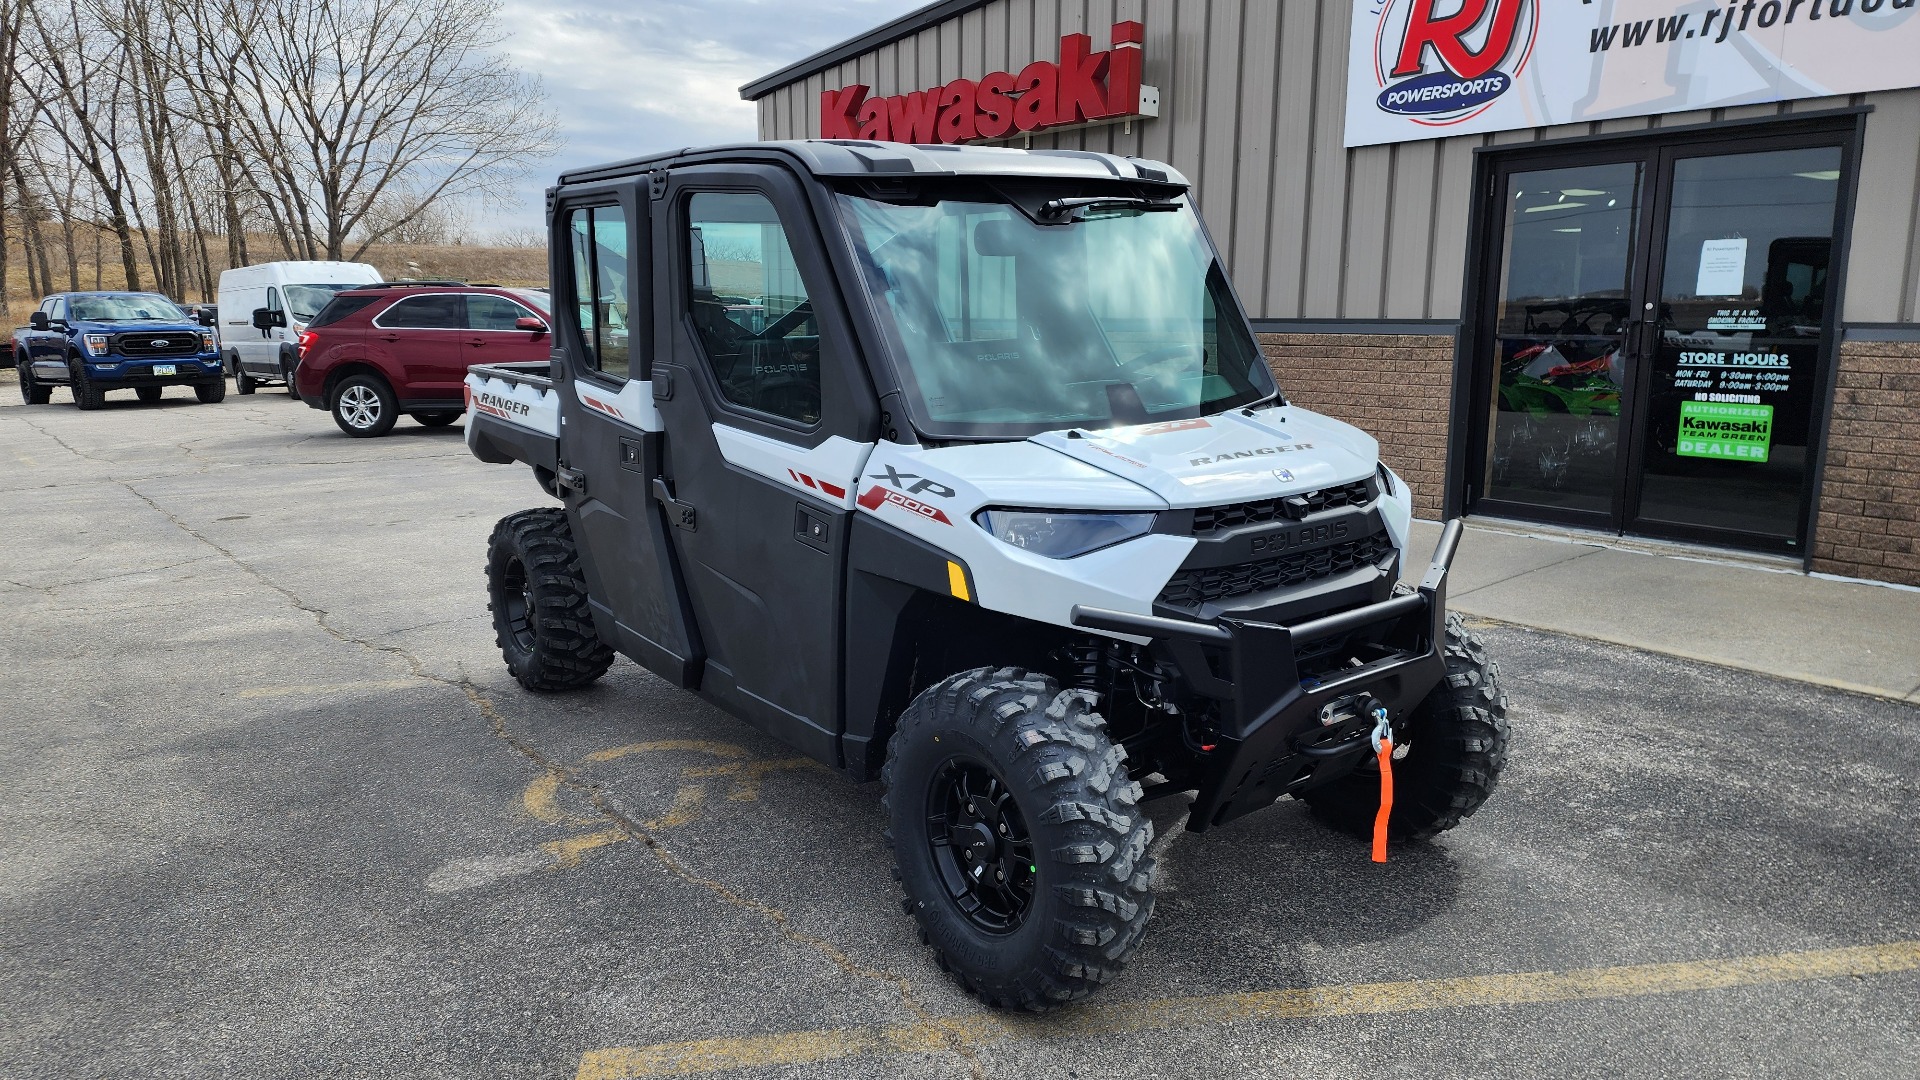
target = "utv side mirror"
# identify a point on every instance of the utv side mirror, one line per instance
(267, 320)
(38, 320)
(528, 322)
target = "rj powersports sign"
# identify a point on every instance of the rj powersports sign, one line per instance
(1425, 69)
(1081, 89)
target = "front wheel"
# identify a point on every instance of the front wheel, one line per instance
(87, 395)
(538, 596)
(243, 383)
(1455, 745)
(209, 393)
(1017, 837)
(364, 406)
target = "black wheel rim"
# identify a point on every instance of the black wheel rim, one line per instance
(981, 848)
(517, 595)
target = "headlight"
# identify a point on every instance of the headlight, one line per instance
(1062, 534)
(96, 344)
(207, 344)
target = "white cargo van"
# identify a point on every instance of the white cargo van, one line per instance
(263, 308)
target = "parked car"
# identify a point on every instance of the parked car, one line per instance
(267, 306)
(95, 342)
(378, 351)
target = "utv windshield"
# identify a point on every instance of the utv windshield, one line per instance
(1113, 314)
(129, 307)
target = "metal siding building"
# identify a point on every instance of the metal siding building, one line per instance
(1363, 267)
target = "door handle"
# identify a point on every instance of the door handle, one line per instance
(389, 337)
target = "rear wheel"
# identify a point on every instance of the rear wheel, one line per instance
(437, 419)
(147, 394)
(1456, 746)
(86, 394)
(287, 364)
(538, 597)
(364, 406)
(32, 390)
(1017, 837)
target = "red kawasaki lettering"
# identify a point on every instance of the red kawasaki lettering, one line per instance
(914, 116)
(996, 108)
(957, 105)
(838, 109)
(1446, 36)
(873, 120)
(1083, 75)
(1039, 86)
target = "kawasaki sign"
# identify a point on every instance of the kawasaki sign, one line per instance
(1083, 88)
(1424, 69)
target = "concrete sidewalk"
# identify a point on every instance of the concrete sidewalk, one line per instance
(1746, 612)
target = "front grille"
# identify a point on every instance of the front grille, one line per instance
(158, 343)
(1213, 519)
(1192, 588)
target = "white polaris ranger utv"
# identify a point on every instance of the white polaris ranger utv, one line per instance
(961, 468)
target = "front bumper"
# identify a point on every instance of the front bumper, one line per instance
(186, 370)
(1282, 733)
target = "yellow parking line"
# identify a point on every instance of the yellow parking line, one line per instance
(1526, 988)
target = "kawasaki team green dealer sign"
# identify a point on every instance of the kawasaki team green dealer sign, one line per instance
(1731, 432)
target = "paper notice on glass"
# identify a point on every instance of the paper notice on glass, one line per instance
(1723, 268)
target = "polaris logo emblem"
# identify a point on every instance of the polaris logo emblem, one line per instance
(1264, 451)
(1285, 476)
(1314, 534)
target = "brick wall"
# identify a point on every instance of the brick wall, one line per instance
(1395, 387)
(1869, 524)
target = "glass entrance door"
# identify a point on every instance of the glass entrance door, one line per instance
(1653, 339)
(1740, 320)
(1561, 319)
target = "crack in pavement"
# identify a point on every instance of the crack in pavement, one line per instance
(951, 1029)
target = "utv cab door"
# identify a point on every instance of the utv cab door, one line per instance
(769, 420)
(611, 444)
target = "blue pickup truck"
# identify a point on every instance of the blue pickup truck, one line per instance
(93, 342)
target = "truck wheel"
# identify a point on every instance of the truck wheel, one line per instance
(209, 393)
(538, 597)
(437, 419)
(32, 390)
(1456, 744)
(86, 394)
(1017, 838)
(243, 383)
(364, 406)
(286, 376)
(147, 394)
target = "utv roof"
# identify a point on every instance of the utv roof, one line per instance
(854, 158)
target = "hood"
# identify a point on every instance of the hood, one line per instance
(1228, 458)
(141, 326)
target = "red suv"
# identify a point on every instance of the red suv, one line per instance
(377, 351)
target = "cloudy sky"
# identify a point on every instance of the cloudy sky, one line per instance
(630, 77)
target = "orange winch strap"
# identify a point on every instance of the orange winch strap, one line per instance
(1386, 801)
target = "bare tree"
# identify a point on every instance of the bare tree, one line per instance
(358, 105)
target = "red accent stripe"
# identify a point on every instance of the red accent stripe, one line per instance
(833, 490)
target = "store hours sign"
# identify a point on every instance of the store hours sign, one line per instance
(1426, 69)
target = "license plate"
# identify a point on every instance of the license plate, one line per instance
(163, 369)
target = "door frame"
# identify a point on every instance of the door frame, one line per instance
(1474, 367)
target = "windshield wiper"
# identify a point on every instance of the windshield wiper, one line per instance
(1055, 209)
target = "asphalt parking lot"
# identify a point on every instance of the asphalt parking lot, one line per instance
(271, 806)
